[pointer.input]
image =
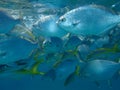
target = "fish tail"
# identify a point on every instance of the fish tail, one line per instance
(35, 66)
(33, 70)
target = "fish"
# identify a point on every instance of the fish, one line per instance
(106, 52)
(46, 26)
(33, 70)
(88, 20)
(23, 32)
(100, 70)
(50, 74)
(52, 45)
(99, 43)
(4, 67)
(14, 49)
(7, 22)
(62, 70)
(13, 66)
(72, 43)
(84, 51)
(65, 68)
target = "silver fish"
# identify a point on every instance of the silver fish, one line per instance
(88, 20)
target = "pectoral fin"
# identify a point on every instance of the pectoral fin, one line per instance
(75, 23)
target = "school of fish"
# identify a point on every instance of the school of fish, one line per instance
(63, 43)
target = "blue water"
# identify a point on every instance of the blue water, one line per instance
(34, 82)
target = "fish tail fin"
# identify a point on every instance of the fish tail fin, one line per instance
(35, 67)
(33, 70)
(71, 77)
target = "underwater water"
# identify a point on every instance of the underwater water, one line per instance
(42, 47)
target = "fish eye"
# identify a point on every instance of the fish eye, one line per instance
(63, 19)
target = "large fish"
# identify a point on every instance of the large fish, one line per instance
(88, 20)
(63, 70)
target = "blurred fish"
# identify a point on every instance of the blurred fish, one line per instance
(111, 52)
(4, 67)
(63, 69)
(46, 26)
(14, 66)
(72, 43)
(13, 49)
(99, 70)
(84, 50)
(99, 43)
(33, 70)
(23, 32)
(88, 20)
(52, 45)
(7, 23)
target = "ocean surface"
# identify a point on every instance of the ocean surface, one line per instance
(25, 51)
